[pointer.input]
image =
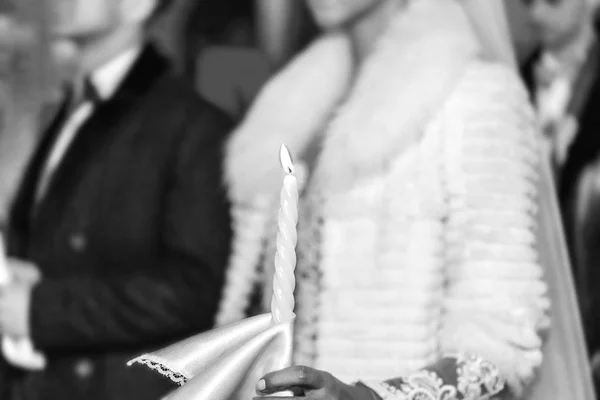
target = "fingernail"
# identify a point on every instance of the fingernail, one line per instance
(261, 385)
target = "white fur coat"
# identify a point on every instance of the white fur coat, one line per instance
(418, 233)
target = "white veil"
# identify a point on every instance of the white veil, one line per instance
(489, 19)
(565, 373)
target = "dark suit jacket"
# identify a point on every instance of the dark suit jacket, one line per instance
(132, 238)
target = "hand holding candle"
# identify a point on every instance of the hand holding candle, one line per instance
(282, 303)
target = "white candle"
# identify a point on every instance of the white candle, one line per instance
(282, 302)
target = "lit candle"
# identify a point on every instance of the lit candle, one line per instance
(282, 302)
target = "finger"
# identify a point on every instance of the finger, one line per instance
(288, 378)
(293, 392)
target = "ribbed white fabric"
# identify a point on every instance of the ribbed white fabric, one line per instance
(447, 233)
(492, 156)
(417, 234)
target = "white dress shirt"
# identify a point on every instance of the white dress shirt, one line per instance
(105, 80)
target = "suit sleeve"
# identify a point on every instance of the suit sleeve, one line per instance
(180, 294)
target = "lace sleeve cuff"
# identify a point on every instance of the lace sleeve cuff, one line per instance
(461, 377)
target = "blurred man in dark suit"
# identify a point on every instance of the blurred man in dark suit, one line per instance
(561, 73)
(121, 224)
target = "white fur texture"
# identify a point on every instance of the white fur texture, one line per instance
(412, 71)
(291, 109)
(383, 172)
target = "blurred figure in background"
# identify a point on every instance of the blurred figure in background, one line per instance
(222, 58)
(15, 39)
(212, 43)
(564, 79)
(25, 81)
(559, 74)
(120, 225)
(227, 49)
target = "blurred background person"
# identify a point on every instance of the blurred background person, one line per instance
(14, 37)
(222, 58)
(212, 43)
(23, 86)
(228, 49)
(564, 80)
(120, 222)
(561, 73)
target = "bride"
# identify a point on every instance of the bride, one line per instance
(418, 237)
(419, 248)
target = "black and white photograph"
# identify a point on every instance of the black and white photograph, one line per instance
(299, 199)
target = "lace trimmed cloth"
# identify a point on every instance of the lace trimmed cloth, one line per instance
(464, 377)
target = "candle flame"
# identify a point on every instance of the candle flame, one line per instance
(286, 160)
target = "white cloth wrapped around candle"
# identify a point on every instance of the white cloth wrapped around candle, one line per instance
(282, 303)
(18, 351)
(225, 363)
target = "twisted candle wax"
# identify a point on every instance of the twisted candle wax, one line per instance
(282, 303)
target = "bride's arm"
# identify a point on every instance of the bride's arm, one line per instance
(496, 299)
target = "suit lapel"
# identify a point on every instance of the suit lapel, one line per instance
(108, 121)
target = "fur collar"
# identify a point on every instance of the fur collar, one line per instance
(413, 69)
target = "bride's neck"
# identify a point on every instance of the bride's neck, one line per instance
(366, 29)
